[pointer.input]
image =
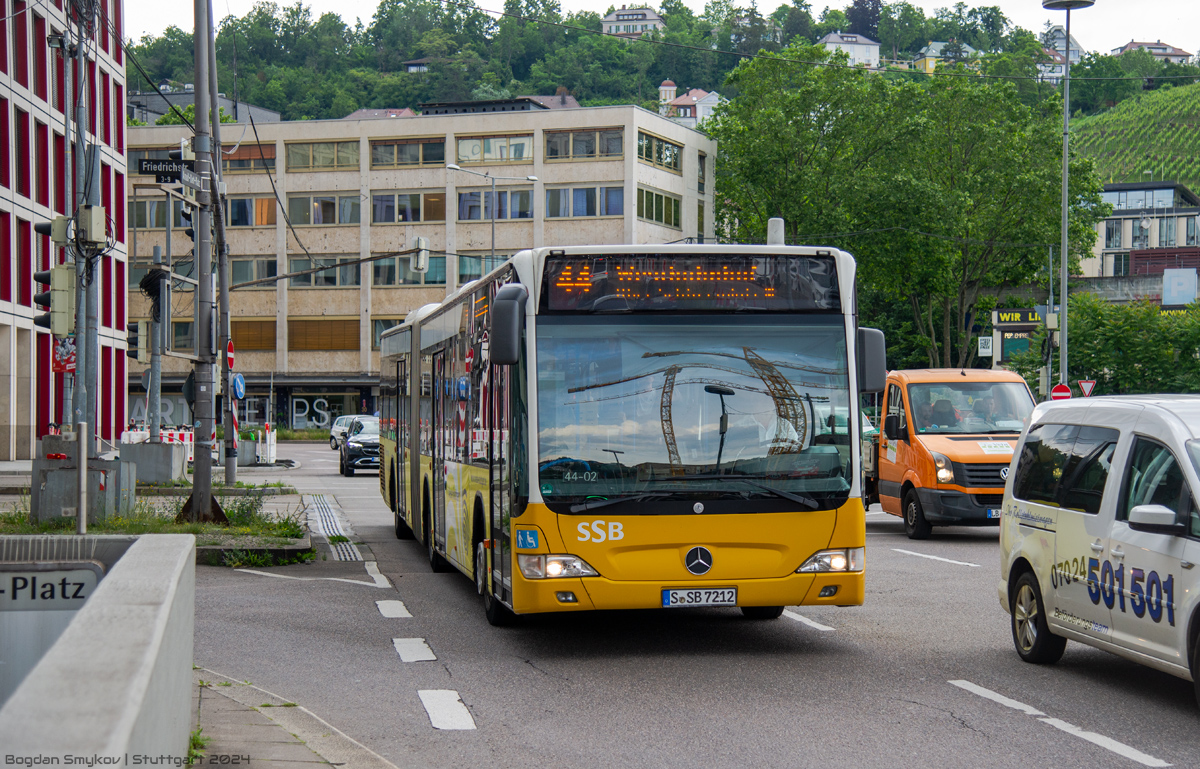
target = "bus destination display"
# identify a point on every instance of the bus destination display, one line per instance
(690, 283)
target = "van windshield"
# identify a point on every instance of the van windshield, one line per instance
(970, 407)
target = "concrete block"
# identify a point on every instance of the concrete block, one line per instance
(157, 462)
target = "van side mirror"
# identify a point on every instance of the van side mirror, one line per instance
(872, 360)
(1155, 518)
(894, 429)
(506, 320)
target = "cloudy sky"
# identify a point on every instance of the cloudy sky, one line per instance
(1108, 24)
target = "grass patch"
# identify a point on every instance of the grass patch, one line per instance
(305, 434)
(197, 743)
(338, 538)
(260, 559)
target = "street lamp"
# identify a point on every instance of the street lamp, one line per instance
(1064, 5)
(454, 167)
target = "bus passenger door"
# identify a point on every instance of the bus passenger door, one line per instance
(442, 433)
(501, 481)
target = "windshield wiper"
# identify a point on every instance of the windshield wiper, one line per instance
(809, 501)
(595, 503)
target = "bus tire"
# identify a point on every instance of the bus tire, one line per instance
(1031, 635)
(498, 615)
(762, 612)
(403, 531)
(915, 525)
(437, 564)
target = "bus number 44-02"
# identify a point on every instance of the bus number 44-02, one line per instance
(598, 531)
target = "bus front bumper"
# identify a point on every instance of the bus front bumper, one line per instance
(590, 593)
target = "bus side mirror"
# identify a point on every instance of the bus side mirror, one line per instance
(893, 430)
(505, 322)
(872, 360)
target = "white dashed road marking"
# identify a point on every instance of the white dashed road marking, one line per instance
(445, 709)
(413, 650)
(393, 609)
(1108, 743)
(935, 558)
(805, 620)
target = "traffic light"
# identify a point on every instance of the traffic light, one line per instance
(59, 301)
(185, 214)
(138, 332)
(56, 228)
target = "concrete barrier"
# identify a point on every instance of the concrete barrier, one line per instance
(116, 685)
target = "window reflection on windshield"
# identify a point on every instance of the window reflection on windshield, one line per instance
(687, 405)
(970, 407)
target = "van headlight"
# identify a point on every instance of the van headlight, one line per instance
(945, 470)
(851, 559)
(554, 567)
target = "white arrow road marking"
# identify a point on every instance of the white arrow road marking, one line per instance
(445, 709)
(801, 618)
(935, 557)
(372, 569)
(393, 609)
(413, 650)
(1108, 743)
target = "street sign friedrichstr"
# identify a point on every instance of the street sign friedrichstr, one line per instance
(1087, 385)
(1060, 392)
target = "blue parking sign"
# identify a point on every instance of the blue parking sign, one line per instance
(527, 539)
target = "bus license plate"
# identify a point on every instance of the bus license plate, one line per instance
(994, 512)
(719, 596)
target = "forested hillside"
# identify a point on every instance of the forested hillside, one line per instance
(282, 58)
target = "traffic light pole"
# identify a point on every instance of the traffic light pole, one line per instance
(80, 388)
(154, 391)
(202, 477)
(222, 263)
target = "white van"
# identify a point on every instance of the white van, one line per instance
(1100, 531)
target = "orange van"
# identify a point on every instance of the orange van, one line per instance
(947, 441)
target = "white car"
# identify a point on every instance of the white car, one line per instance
(1100, 531)
(337, 430)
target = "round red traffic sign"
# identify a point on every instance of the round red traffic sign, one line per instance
(229, 353)
(1060, 392)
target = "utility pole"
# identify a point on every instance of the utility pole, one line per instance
(153, 416)
(222, 261)
(80, 389)
(202, 477)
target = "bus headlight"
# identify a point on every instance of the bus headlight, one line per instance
(851, 559)
(945, 470)
(554, 567)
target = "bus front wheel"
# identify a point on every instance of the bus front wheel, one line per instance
(762, 612)
(498, 615)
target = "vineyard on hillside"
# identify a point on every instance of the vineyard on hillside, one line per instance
(1155, 131)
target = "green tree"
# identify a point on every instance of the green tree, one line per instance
(901, 28)
(863, 16)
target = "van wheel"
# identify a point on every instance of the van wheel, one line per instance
(1031, 635)
(762, 612)
(915, 525)
(1196, 668)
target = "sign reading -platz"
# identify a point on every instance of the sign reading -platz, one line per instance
(47, 585)
(1060, 392)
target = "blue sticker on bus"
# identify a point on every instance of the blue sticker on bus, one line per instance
(527, 539)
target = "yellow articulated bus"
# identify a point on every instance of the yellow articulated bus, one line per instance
(628, 427)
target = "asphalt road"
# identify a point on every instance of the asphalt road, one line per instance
(868, 686)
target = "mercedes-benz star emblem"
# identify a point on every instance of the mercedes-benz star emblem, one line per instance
(698, 560)
(698, 507)
(1004, 473)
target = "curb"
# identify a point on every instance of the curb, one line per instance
(217, 491)
(214, 555)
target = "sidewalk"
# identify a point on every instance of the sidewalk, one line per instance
(253, 727)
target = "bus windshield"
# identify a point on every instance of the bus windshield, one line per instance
(684, 408)
(970, 407)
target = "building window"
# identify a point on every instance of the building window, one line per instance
(323, 209)
(393, 207)
(339, 273)
(136, 155)
(394, 271)
(152, 214)
(324, 334)
(322, 156)
(1112, 233)
(700, 220)
(585, 201)
(660, 152)
(250, 157)
(1120, 264)
(379, 326)
(580, 145)
(701, 172)
(1191, 230)
(656, 207)
(251, 212)
(253, 335)
(1166, 232)
(496, 149)
(398, 153)
(474, 267)
(477, 205)
(246, 270)
(1141, 234)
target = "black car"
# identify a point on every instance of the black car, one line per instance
(360, 449)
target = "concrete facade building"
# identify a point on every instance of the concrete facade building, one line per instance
(631, 22)
(355, 190)
(862, 50)
(149, 106)
(1153, 226)
(36, 184)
